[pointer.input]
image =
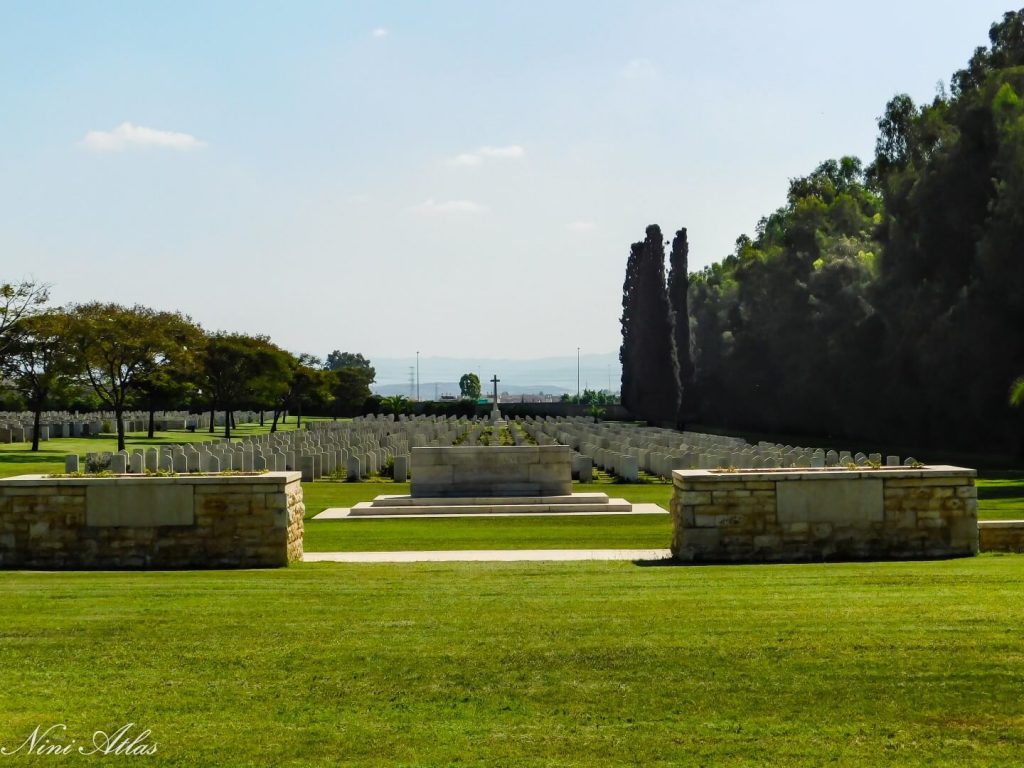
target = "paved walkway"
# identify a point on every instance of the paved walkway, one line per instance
(486, 555)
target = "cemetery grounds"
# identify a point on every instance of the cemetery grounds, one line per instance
(542, 663)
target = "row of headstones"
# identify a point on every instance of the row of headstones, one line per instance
(17, 431)
(182, 459)
(619, 449)
(364, 445)
(582, 465)
(359, 447)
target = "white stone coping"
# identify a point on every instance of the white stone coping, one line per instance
(268, 478)
(1001, 523)
(452, 501)
(826, 473)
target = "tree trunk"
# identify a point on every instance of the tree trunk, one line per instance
(231, 417)
(213, 415)
(227, 421)
(298, 415)
(36, 416)
(152, 419)
(273, 426)
(119, 414)
(261, 417)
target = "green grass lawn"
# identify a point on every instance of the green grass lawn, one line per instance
(547, 532)
(541, 532)
(536, 664)
(1001, 496)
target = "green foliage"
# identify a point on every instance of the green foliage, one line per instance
(678, 296)
(18, 301)
(1017, 392)
(118, 347)
(870, 304)
(650, 370)
(40, 362)
(592, 397)
(351, 388)
(338, 360)
(469, 386)
(395, 404)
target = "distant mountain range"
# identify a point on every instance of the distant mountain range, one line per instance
(435, 389)
(549, 375)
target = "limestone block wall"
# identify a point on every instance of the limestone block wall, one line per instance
(1001, 535)
(792, 515)
(188, 521)
(486, 471)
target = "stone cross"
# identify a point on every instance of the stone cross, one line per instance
(495, 381)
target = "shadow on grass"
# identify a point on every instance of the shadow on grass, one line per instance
(29, 457)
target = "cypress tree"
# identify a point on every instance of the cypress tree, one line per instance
(627, 352)
(678, 288)
(650, 377)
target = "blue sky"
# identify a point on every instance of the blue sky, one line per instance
(460, 178)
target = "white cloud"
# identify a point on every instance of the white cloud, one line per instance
(581, 226)
(467, 158)
(381, 32)
(129, 136)
(510, 152)
(639, 69)
(450, 206)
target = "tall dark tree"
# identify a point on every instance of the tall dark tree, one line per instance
(630, 327)
(678, 295)
(648, 348)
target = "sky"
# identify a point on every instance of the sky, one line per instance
(462, 179)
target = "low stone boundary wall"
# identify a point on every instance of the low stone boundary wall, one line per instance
(1001, 535)
(535, 470)
(793, 515)
(186, 521)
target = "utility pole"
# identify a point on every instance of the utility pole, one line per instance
(577, 375)
(417, 375)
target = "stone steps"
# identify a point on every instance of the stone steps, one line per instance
(508, 505)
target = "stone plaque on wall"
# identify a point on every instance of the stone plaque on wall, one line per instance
(840, 502)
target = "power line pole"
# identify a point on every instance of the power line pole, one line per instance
(417, 375)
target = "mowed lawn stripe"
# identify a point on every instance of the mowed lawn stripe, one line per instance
(528, 664)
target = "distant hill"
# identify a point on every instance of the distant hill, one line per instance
(555, 375)
(427, 389)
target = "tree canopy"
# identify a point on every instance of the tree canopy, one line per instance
(884, 301)
(469, 386)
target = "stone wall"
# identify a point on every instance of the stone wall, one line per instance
(793, 515)
(189, 521)
(1001, 535)
(488, 471)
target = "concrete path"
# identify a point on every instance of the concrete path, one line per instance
(342, 513)
(486, 555)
